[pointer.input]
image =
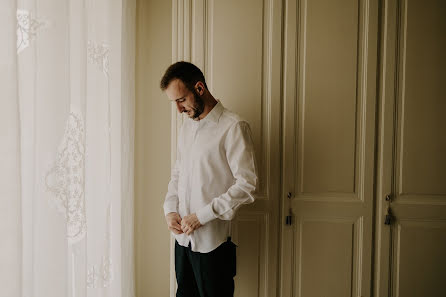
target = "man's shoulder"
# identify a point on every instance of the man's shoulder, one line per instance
(230, 118)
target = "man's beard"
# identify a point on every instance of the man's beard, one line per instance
(198, 106)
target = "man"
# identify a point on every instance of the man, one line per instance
(213, 176)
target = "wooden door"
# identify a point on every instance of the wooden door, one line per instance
(410, 253)
(329, 85)
(238, 46)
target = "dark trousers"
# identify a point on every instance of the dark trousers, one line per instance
(205, 274)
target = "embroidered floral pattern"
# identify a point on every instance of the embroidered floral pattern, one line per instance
(92, 277)
(27, 27)
(106, 271)
(66, 178)
(106, 260)
(98, 54)
(104, 274)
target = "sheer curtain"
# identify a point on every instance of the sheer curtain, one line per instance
(66, 172)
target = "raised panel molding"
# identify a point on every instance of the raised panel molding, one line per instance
(414, 239)
(355, 228)
(409, 182)
(357, 195)
(252, 250)
(421, 199)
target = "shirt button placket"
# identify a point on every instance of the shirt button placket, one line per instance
(192, 163)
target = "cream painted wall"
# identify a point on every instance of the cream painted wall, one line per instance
(152, 146)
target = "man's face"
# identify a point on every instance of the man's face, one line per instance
(186, 100)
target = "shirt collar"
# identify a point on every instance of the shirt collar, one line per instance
(215, 113)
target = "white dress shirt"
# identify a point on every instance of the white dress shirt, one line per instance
(215, 174)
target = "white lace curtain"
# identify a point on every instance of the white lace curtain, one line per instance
(66, 171)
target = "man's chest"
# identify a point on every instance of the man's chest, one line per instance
(202, 143)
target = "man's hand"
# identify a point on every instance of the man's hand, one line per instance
(190, 223)
(173, 220)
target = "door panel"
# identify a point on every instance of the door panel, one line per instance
(249, 233)
(410, 252)
(329, 102)
(422, 99)
(419, 258)
(327, 247)
(329, 134)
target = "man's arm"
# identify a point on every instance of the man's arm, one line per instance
(170, 206)
(171, 200)
(241, 160)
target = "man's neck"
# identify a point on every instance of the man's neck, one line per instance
(209, 104)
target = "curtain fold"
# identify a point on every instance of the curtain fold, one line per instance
(10, 205)
(67, 114)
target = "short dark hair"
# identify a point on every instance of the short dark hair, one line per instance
(187, 72)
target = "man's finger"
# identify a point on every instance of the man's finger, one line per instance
(175, 230)
(174, 225)
(187, 229)
(178, 228)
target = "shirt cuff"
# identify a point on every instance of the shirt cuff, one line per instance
(170, 207)
(205, 214)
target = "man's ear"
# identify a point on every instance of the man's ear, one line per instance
(199, 87)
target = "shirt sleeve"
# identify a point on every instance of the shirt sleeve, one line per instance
(171, 199)
(241, 159)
